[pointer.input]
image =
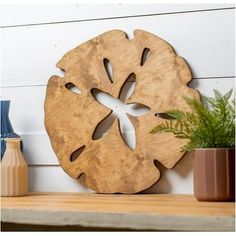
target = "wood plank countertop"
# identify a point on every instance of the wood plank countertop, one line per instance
(119, 211)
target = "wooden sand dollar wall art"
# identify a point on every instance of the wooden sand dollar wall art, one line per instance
(71, 118)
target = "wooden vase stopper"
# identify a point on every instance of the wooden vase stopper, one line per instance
(14, 170)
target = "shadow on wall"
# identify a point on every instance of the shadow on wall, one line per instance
(177, 180)
(194, 83)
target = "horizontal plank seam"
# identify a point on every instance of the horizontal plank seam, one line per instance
(216, 77)
(44, 85)
(118, 17)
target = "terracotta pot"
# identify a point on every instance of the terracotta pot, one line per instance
(214, 174)
(14, 170)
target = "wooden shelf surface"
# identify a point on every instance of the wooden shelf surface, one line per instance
(136, 212)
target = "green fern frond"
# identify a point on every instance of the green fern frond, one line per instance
(207, 125)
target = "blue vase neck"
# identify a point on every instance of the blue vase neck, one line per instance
(6, 127)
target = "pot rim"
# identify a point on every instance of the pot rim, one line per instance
(213, 148)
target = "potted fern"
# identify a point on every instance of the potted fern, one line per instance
(209, 128)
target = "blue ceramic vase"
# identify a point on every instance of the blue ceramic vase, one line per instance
(6, 128)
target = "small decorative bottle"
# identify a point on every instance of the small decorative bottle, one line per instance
(14, 176)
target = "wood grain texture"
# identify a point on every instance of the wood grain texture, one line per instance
(146, 212)
(108, 163)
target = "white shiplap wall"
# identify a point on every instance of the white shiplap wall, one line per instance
(34, 37)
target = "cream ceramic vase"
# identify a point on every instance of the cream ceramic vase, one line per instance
(14, 170)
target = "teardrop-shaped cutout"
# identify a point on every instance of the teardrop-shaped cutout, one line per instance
(164, 116)
(127, 88)
(103, 126)
(127, 131)
(108, 69)
(76, 153)
(104, 98)
(137, 109)
(73, 88)
(145, 55)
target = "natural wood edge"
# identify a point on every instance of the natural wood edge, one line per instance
(135, 221)
(156, 212)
